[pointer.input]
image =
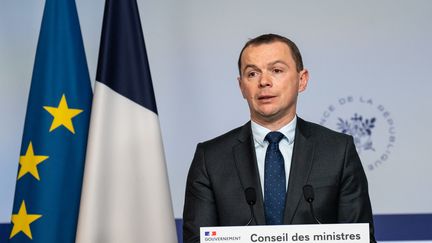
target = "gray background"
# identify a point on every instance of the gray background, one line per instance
(377, 50)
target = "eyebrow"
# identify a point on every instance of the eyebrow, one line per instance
(249, 66)
(277, 62)
(270, 64)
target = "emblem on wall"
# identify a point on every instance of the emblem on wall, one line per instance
(371, 125)
(360, 129)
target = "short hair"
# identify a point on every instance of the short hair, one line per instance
(271, 38)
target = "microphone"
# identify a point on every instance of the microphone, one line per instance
(250, 195)
(308, 194)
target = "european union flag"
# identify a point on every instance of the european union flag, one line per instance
(53, 148)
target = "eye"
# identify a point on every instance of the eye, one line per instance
(277, 70)
(252, 74)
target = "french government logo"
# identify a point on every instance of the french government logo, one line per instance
(210, 233)
(370, 123)
(213, 236)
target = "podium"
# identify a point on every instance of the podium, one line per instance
(317, 233)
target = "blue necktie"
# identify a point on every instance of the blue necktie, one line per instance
(274, 180)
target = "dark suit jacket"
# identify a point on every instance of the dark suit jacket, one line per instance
(225, 166)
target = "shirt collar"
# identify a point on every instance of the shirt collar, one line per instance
(259, 132)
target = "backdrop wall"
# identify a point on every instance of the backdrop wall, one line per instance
(366, 58)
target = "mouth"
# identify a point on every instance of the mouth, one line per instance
(266, 98)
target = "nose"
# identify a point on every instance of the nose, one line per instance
(265, 80)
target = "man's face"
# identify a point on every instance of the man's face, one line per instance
(270, 83)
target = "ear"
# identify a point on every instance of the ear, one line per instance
(241, 87)
(303, 81)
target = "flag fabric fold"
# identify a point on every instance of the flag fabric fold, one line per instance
(53, 148)
(125, 196)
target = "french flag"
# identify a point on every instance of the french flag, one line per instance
(125, 195)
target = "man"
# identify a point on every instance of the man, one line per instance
(276, 153)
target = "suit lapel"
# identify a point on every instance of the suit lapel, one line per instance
(301, 165)
(245, 160)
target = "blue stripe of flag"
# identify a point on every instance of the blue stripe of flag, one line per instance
(123, 65)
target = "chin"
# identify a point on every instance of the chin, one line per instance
(268, 116)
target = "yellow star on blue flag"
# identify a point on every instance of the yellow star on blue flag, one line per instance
(29, 163)
(62, 115)
(22, 220)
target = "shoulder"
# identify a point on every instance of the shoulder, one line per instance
(215, 156)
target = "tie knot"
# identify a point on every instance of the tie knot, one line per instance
(274, 137)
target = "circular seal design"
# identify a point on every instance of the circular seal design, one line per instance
(370, 124)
